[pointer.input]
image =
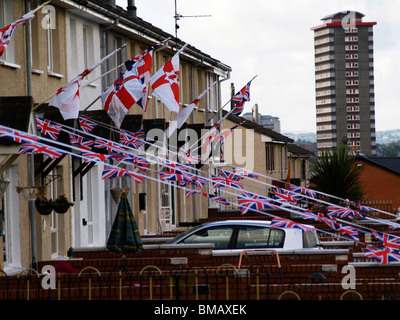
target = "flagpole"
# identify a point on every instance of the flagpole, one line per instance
(227, 103)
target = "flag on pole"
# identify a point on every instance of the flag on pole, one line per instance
(165, 83)
(182, 116)
(143, 63)
(67, 98)
(122, 94)
(223, 135)
(7, 32)
(240, 98)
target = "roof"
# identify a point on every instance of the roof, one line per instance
(258, 128)
(336, 20)
(341, 14)
(388, 163)
(296, 149)
(145, 28)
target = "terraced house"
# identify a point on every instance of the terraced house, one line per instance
(62, 40)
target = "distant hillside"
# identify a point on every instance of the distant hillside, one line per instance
(382, 137)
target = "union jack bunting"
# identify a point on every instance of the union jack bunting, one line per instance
(132, 139)
(384, 256)
(302, 190)
(230, 175)
(285, 223)
(115, 172)
(94, 156)
(225, 182)
(107, 145)
(218, 199)
(199, 181)
(346, 230)
(245, 173)
(187, 157)
(190, 192)
(39, 148)
(172, 176)
(309, 215)
(81, 142)
(86, 125)
(334, 211)
(240, 98)
(388, 240)
(250, 201)
(140, 162)
(223, 135)
(16, 136)
(285, 195)
(48, 128)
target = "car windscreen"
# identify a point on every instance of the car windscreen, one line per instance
(255, 237)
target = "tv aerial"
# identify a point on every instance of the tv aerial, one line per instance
(178, 16)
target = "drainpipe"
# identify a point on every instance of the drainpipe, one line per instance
(31, 158)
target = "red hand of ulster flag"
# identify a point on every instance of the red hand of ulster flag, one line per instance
(165, 84)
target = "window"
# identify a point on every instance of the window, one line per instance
(251, 237)
(270, 157)
(220, 236)
(53, 45)
(7, 17)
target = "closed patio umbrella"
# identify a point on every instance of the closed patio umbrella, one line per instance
(124, 236)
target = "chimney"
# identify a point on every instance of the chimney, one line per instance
(131, 8)
(256, 115)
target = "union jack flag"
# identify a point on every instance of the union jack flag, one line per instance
(334, 211)
(388, 240)
(285, 223)
(223, 135)
(107, 145)
(188, 157)
(172, 176)
(115, 172)
(140, 162)
(94, 157)
(285, 195)
(230, 175)
(305, 191)
(309, 215)
(225, 182)
(346, 230)
(132, 139)
(384, 256)
(86, 125)
(245, 173)
(218, 199)
(240, 98)
(48, 128)
(81, 142)
(190, 192)
(199, 181)
(250, 201)
(17, 136)
(39, 148)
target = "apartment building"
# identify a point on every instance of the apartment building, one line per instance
(344, 83)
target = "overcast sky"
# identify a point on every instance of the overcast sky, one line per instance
(273, 40)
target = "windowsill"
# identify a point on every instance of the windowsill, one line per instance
(10, 64)
(37, 71)
(54, 74)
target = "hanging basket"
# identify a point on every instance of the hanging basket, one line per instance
(61, 207)
(117, 193)
(44, 207)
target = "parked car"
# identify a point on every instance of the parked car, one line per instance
(248, 234)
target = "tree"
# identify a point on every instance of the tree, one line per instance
(335, 173)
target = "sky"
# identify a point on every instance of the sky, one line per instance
(273, 41)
